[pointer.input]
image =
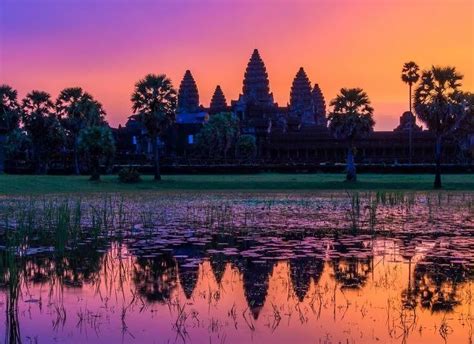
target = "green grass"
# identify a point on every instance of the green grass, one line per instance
(22, 184)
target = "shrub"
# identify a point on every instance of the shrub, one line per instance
(129, 175)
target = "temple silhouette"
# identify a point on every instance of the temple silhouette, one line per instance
(293, 133)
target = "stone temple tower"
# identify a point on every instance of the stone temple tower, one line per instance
(188, 96)
(218, 101)
(256, 86)
(301, 99)
(319, 106)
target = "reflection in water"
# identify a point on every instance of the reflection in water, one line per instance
(155, 278)
(245, 285)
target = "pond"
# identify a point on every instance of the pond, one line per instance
(359, 267)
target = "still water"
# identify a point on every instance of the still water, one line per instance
(250, 268)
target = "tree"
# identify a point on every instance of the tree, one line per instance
(154, 101)
(439, 105)
(464, 133)
(42, 127)
(78, 110)
(96, 143)
(351, 118)
(17, 143)
(218, 136)
(410, 76)
(246, 147)
(9, 116)
(9, 109)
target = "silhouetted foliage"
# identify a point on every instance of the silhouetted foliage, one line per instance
(129, 175)
(154, 101)
(351, 118)
(464, 133)
(410, 76)
(97, 144)
(156, 278)
(439, 105)
(43, 128)
(218, 136)
(246, 147)
(9, 109)
(78, 110)
(17, 144)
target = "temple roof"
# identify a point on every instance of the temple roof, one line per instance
(319, 106)
(188, 96)
(256, 86)
(301, 101)
(218, 101)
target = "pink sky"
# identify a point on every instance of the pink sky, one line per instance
(106, 46)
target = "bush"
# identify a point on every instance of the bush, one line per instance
(246, 147)
(129, 175)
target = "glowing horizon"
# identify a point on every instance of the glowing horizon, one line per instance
(106, 47)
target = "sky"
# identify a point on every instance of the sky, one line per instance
(106, 46)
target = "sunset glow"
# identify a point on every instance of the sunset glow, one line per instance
(106, 46)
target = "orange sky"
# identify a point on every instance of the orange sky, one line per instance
(106, 46)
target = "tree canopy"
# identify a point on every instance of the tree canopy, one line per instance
(9, 108)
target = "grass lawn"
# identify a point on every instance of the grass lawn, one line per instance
(26, 184)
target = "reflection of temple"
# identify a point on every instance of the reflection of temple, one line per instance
(255, 276)
(302, 270)
(293, 133)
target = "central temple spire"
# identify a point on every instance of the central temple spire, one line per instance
(301, 100)
(256, 85)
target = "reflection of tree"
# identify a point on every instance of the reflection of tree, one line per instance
(10, 280)
(301, 271)
(407, 248)
(80, 265)
(72, 267)
(353, 268)
(351, 272)
(437, 280)
(155, 278)
(255, 279)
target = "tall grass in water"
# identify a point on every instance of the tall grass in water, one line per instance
(10, 275)
(354, 212)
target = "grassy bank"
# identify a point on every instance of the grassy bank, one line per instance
(16, 184)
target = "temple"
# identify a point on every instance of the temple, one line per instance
(188, 95)
(295, 133)
(218, 102)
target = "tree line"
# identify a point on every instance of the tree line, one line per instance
(438, 101)
(45, 128)
(76, 121)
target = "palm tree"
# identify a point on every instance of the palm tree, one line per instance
(78, 110)
(410, 76)
(9, 117)
(351, 118)
(154, 101)
(9, 109)
(42, 126)
(439, 105)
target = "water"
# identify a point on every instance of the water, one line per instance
(239, 268)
